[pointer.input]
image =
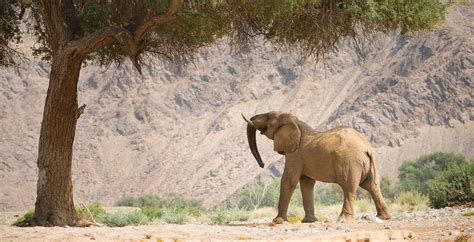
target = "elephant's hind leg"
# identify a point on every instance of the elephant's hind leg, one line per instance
(307, 191)
(374, 190)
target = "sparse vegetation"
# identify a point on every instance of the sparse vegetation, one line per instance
(295, 219)
(3, 222)
(470, 214)
(25, 219)
(412, 200)
(172, 209)
(225, 215)
(120, 218)
(451, 184)
(174, 216)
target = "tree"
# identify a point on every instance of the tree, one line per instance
(414, 175)
(71, 32)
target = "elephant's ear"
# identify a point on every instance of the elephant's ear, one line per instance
(288, 135)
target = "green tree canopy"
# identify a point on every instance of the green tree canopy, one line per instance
(414, 175)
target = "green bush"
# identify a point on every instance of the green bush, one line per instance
(453, 187)
(120, 219)
(26, 219)
(411, 200)
(413, 175)
(146, 200)
(224, 215)
(153, 212)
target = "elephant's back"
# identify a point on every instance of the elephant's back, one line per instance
(343, 142)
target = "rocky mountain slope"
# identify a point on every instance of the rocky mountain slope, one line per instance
(178, 129)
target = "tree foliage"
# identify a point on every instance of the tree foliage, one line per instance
(413, 175)
(313, 26)
(11, 11)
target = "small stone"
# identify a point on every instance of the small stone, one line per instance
(454, 233)
(377, 220)
(329, 228)
(387, 227)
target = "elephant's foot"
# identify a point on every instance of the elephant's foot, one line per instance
(345, 218)
(309, 219)
(279, 220)
(384, 215)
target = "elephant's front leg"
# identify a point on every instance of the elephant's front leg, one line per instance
(307, 191)
(289, 180)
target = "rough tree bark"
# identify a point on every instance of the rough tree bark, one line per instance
(54, 201)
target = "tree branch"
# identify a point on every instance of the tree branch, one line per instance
(157, 20)
(131, 41)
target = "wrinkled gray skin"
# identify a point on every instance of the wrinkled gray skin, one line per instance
(340, 155)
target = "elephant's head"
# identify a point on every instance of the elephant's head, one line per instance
(277, 126)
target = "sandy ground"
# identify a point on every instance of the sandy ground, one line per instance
(432, 225)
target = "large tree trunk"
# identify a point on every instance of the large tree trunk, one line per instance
(54, 202)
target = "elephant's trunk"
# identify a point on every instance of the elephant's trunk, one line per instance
(251, 136)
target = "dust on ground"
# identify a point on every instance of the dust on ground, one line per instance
(448, 224)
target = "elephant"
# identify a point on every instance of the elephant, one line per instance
(340, 155)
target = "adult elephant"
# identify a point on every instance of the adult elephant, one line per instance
(340, 155)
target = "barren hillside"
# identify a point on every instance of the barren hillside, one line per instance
(178, 129)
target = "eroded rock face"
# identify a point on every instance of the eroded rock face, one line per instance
(178, 129)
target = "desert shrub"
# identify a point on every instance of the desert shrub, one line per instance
(97, 211)
(174, 216)
(120, 218)
(260, 195)
(153, 212)
(411, 200)
(225, 215)
(388, 189)
(413, 175)
(363, 206)
(172, 200)
(265, 212)
(453, 187)
(26, 219)
(328, 194)
(146, 200)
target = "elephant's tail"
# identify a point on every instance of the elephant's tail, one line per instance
(372, 167)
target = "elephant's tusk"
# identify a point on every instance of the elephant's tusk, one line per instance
(246, 120)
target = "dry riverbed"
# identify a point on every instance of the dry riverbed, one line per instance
(448, 224)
